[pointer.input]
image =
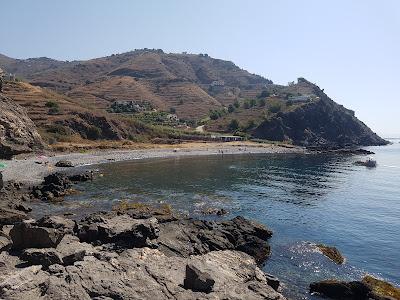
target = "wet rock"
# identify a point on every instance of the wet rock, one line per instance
(198, 280)
(44, 257)
(215, 211)
(381, 289)
(64, 164)
(25, 235)
(57, 222)
(341, 290)
(332, 253)
(80, 177)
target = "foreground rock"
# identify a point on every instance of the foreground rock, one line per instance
(182, 238)
(18, 134)
(141, 274)
(368, 289)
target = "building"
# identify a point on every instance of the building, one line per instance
(218, 83)
(227, 138)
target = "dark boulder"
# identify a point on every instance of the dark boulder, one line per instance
(64, 164)
(353, 290)
(119, 229)
(25, 235)
(63, 224)
(44, 257)
(197, 280)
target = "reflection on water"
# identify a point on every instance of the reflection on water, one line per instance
(316, 198)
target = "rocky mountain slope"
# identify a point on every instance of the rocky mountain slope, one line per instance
(197, 88)
(18, 133)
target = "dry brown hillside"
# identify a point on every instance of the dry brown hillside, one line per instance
(191, 84)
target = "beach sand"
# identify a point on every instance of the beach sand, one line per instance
(32, 169)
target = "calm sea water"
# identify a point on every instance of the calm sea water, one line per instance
(303, 198)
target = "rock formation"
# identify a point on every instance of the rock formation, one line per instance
(17, 132)
(115, 255)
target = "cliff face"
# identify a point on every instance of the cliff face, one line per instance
(321, 123)
(18, 134)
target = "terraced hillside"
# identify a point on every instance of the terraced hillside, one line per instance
(178, 90)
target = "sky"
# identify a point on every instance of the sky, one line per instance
(350, 48)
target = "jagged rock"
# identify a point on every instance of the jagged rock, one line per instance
(273, 281)
(57, 222)
(54, 185)
(25, 235)
(197, 280)
(140, 274)
(64, 164)
(120, 229)
(188, 237)
(18, 134)
(44, 257)
(72, 250)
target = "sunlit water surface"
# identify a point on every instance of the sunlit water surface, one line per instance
(302, 198)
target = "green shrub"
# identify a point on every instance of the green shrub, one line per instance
(263, 94)
(236, 104)
(274, 108)
(231, 108)
(54, 110)
(93, 133)
(234, 125)
(261, 102)
(51, 104)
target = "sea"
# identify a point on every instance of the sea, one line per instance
(306, 199)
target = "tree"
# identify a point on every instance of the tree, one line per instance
(236, 103)
(253, 102)
(264, 94)
(231, 108)
(214, 114)
(262, 102)
(233, 125)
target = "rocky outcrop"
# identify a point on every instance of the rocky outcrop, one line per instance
(17, 132)
(321, 123)
(140, 274)
(112, 255)
(368, 289)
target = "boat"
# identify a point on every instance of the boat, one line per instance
(369, 163)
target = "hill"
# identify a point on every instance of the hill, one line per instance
(147, 85)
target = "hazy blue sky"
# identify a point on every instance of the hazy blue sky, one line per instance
(350, 48)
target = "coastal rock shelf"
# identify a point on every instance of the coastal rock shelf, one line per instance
(136, 254)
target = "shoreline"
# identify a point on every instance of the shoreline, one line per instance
(32, 169)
